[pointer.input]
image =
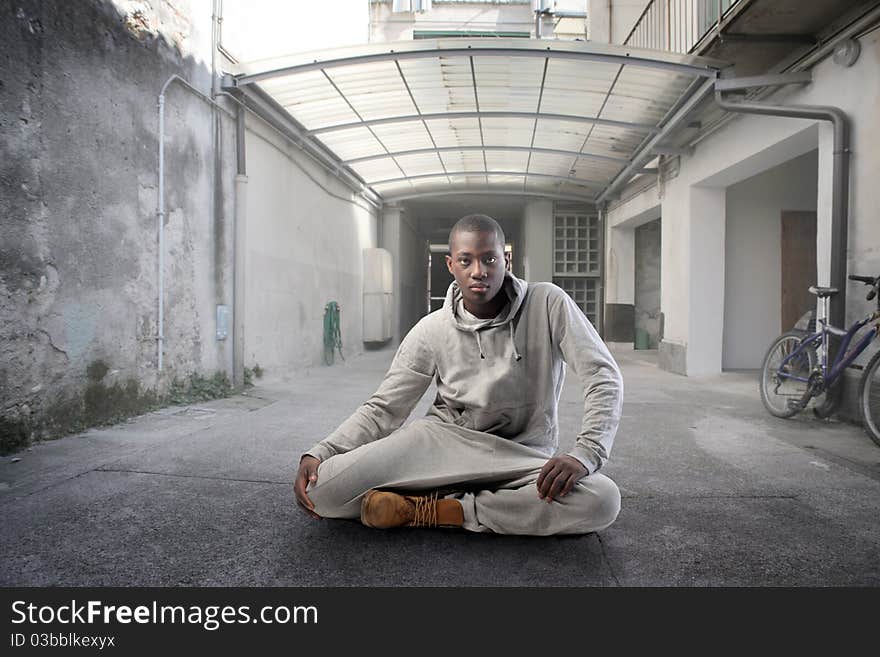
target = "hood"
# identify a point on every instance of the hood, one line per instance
(515, 289)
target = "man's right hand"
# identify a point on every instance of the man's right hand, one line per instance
(307, 474)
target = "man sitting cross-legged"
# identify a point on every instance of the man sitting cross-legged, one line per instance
(482, 457)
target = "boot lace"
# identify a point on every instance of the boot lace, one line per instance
(425, 514)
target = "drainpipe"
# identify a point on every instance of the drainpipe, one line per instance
(239, 255)
(839, 177)
(160, 211)
(160, 215)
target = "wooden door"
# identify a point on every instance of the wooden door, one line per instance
(798, 259)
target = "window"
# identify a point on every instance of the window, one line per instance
(576, 247)
(585, 293)
(577, 263)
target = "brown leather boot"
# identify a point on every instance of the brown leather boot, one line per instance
(382, 509)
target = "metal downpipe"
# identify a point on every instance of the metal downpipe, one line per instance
(160, 216)
(160, 211)
(239, 255)
(839, 183)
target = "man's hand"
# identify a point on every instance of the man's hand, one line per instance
(558, 477)
(305, 475)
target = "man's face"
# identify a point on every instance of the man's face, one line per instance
(478, 263)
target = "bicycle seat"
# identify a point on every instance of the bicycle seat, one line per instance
(822, 292)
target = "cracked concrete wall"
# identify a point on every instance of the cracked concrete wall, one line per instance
(78, 198)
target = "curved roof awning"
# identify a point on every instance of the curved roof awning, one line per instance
(424, 118)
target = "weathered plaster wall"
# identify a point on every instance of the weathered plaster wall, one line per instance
(78, 195)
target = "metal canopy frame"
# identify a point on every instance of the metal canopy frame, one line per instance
(513, 149)
(644, 127)
(484, 131)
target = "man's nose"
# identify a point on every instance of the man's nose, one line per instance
(477, 271)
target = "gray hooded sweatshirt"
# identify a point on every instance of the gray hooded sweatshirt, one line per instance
(501, 376)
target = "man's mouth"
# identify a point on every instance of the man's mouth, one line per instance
(479, 287)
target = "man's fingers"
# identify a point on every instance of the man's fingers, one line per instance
(549, 480)
(308, 510)
(569, 484)
(309, 479)
(543, 474)
(545, 478)
(302, 499)
(299, 489)
(558, 484)
(306, 474)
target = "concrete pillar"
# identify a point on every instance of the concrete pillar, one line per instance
(706, 280)
(692, 279)
(537, 232)
(619, 283)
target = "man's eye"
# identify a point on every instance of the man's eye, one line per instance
(464, 263)
(491, 260)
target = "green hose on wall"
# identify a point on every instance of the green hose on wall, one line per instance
(332, 334)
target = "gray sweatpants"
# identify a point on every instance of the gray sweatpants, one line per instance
(493, 478)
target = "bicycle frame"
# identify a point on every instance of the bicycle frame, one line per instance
(843, 358)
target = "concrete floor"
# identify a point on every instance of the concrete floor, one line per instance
(715, 492)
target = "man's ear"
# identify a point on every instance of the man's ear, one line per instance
(507, 260)
(449, 264)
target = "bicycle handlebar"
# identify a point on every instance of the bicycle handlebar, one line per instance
(867, 280)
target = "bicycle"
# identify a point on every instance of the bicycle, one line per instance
(796, 367)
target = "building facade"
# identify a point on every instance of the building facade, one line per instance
(126, 265)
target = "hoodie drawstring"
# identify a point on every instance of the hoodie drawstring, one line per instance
(513, 342)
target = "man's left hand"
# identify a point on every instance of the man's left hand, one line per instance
(558, 477)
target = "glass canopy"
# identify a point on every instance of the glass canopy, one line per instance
(551, 118)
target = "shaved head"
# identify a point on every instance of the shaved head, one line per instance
(476, 223)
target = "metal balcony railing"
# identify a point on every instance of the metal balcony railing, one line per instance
(677, 25)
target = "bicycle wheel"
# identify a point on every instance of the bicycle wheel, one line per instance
(779, 392)
(869, 398)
